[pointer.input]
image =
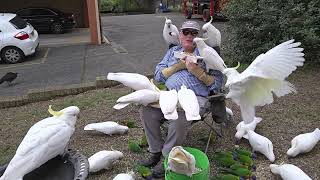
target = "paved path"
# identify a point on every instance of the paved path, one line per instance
(136, 46)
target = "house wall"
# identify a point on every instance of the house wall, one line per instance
(78, 7)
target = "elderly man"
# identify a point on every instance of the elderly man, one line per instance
(174, 73)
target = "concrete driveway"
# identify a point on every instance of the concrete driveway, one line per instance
(136, 46)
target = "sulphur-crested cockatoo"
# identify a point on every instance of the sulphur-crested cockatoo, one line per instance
(45, 140)
(170, 33)
(266, 74)
(125, 176)
(210, 56)
(261, 144)
(304, 143)
(103, 160)
(212, 34)
(242, 127)
(181, 161)
(189, 103)
(108, 127)
(132, 80)
(144, 97)
(168, 103)
(289, 172)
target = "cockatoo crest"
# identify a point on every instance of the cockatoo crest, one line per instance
(54, 113)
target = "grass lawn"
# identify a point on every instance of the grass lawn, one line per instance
(284, 119)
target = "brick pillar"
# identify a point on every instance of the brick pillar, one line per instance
(94, 21)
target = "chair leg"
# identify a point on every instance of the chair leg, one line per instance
(208, 142)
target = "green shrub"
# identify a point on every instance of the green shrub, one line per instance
(256, 26)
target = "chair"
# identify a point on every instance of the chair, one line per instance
(217, 109)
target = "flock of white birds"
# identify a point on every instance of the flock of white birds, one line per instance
(253, 87)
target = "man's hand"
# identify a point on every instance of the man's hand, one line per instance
(190, 62)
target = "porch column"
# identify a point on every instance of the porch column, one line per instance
(94, 21)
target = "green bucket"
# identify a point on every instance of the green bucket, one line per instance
(202, 163)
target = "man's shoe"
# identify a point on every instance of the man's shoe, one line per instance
(152, 160)
(158, 170)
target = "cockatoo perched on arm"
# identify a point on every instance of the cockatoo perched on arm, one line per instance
(266, 74)
(45, 140)
(212, 34)
(132, 80)
(210, 56)
(170, 33)
(144, 97)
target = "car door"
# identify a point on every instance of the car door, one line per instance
(43, 18)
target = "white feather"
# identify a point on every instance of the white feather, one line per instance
(210, 56)
(103, 160)
(45, 140)
(144, 97)
(168, 103)
(108, 127)
(289, 172)
(170, 33)
(132, 80)
(265, 75)
(242, 128)
(261, 144)
(189, 103)
(212, 34)
(304, 143)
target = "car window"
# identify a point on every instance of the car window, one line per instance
(41, 12)
(24, 12)
(18, 23)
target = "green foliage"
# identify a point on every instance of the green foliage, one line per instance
(130, 124)
(134, 146)
(256, 26)
(144, 171)
(143, 141)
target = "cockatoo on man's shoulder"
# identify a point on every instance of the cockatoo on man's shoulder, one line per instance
(170, 33)
(265, 75)
(45, 140)
(210, 56)
(212, 34)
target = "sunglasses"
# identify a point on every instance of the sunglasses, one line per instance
(186, 32)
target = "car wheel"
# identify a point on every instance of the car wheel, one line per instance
(12, 55)
(56, 28)
(206, 15)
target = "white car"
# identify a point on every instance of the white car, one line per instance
(17, 38)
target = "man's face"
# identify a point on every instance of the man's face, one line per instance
(186, 37)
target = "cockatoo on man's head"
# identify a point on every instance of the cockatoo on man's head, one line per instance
(210, 56)
(212, 34)
(170, 33)
(132, 80)
(45, 140)
(265, 75)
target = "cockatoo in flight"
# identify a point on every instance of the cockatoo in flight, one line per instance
(170, 33)
(210, 56)
(45, 140)
(265, 75)
(212, 34)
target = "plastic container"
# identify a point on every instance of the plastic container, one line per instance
(202, 162)
(72, 166)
